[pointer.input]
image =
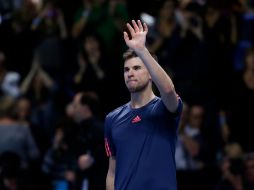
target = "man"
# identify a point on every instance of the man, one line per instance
(89, 141)
(140, 136)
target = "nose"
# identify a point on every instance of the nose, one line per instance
(130, 73)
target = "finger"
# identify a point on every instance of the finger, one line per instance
(145, 27)
(126, 37)
(136, 28)
(140, 26)
(132, 31)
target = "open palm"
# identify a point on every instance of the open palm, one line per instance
(138, 33)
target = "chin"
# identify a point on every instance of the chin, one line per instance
(132, 90)
(137, 88)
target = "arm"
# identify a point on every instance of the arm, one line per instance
(161, 79)
(39, 18)
(47, 80)
(25, 85)
(82, 68)
(61, 24)
(111, 174)
(80, 24)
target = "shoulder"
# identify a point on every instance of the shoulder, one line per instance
(117, 111)
(160, 107)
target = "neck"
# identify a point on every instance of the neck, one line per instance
(139, 99)
(7, 121)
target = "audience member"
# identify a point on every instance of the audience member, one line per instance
(16, 137)
(91, 157)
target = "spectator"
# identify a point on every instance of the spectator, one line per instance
(192, 151)
(59, 161)
(24, 117)
(106, 17)
(165, 39)
(15, 137)
(40, 89)
(91, 157)
(92, 64)
(248, 162)
(231, 168)
(241, 104)
(50, 24)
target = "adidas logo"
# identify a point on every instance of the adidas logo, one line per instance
(136, 119)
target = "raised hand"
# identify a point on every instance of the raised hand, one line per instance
(138, 33)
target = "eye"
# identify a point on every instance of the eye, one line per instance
(126, 69)
(137, 67)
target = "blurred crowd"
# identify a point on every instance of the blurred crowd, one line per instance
(61, 73)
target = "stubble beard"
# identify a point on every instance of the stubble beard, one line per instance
(138, 88)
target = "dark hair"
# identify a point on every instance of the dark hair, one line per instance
(91, 99)
(130, 53)
(249, 51)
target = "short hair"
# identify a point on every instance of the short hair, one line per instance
(91, 99)
(249, 51)
(130, 53)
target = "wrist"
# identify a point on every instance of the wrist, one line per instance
(141, 50)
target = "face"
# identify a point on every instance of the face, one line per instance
(80, 111)
(24, 108)
(91, 44)
(196, 116)
(167, 11)
(250, 61)
(136, 76)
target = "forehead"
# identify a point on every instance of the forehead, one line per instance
(197, 110)
(134, 61)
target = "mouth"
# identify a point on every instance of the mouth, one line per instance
(129, 81)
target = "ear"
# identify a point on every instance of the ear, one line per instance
(150, 78)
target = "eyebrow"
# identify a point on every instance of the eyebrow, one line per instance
(126, 68)
(134, 66)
